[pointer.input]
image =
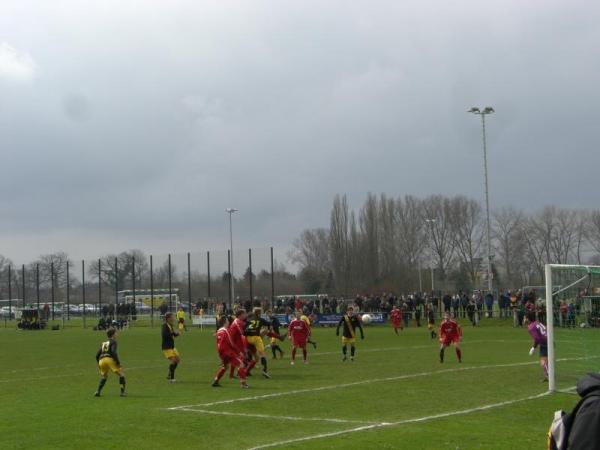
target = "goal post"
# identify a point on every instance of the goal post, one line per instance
(579, 287)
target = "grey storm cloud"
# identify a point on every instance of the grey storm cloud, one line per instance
(138, 123)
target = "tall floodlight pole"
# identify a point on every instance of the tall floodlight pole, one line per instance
(487, 110)
(230, 211)
(431, 222)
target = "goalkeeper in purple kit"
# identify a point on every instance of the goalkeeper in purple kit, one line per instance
(537, 331)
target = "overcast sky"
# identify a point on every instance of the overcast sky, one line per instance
(134, 124)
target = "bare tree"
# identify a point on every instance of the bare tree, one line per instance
(440, 238)
(466, 222)
(339, 242)
(369, 227)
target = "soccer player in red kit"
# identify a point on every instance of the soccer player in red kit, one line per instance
(396, 316)
(229, 354)
(236, 331)
(450, 333)
(298, 332)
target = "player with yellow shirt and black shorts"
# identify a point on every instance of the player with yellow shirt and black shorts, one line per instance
(181, 319)
(350, 323)
(168, 345)
(256, 327)
(108, 361)
(304, 318)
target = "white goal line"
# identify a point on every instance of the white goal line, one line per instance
(400, 422)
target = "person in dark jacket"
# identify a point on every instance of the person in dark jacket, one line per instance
(585, 431)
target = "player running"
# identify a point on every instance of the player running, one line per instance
(351, 323)
(168, 345)
(229, 354)
(108, 361)
(254, 332)
(276, 338)
(450, 333)
(431, 320)
(396, 316)
(181, 319)
(298, 332)
(537, 331)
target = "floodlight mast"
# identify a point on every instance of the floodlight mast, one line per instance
(487, 110)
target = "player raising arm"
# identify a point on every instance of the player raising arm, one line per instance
(450, 333)
(228, 353)
(108, 361)
(537, 331)
(168, 345)
(351, 323)
(298, 332)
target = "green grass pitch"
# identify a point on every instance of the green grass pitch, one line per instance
(387, 396)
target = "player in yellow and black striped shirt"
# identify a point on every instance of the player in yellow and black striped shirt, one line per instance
(108, 361)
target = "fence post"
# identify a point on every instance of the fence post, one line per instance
(151, 293)
(52, 286)
(250, 269)
(116, 286)
(23, 283)
(100, 286)
(133, 278)
(189, 286)
(9, 292)
(229, 275)
(170, 286)
(37, 286)
(83, 289)
(208, 270)
(68, 294)
(272, 280)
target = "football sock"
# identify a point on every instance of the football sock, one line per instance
(304, 354)
(442, 355)
(344, 350)
(545, 366)
(122, 383)
(172, 368)
(293, 354)
(274, 351)
(458, 354)
(263, 361)
(101, 385)
(352, 351)
(220, 373)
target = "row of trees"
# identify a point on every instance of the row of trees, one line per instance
(386, 243)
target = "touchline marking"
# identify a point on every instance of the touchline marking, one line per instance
(400, 422)
(266, 416)
(370, 381)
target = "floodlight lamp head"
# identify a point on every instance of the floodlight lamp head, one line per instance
(231, 210)
(488, 110)
(474, 110)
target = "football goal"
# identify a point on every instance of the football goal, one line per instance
(572, 295)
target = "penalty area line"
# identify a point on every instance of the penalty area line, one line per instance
(267, 416)
(400, 422)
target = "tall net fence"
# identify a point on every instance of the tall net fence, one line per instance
(574, 330)
(135, 289)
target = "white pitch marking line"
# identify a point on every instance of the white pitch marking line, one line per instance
(374, 380)
(355, 383)
(266, 416)
(400, 422)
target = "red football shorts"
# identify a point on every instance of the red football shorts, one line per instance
(299, 341)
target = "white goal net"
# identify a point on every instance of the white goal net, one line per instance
(572, 322)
